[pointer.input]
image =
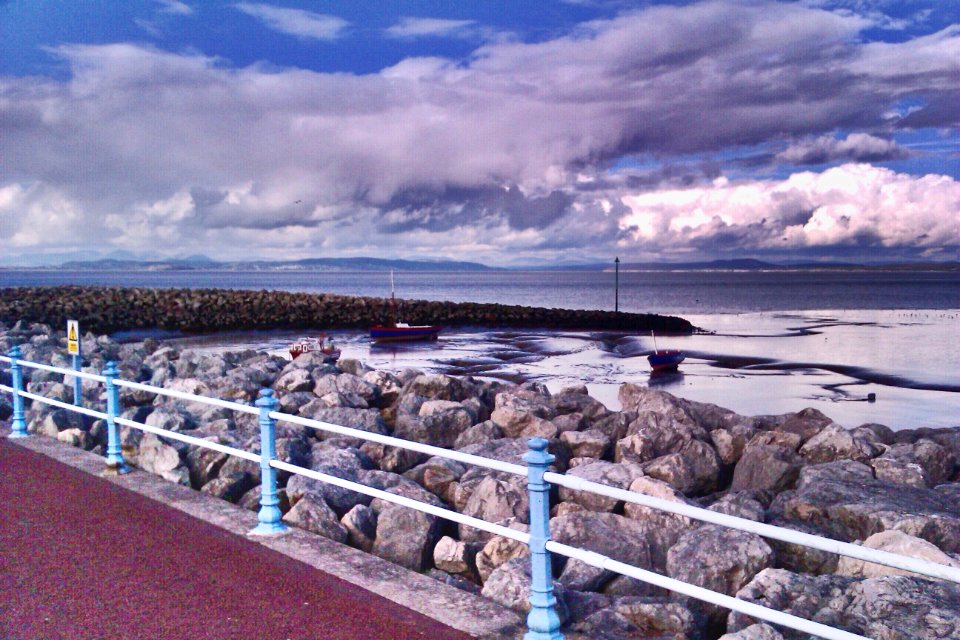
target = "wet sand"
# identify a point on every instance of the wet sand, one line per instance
(751, 363)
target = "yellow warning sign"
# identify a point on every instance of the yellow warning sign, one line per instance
(73, 337)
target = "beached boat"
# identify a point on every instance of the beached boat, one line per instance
(394, 331)
(664, 359)
(321, 345)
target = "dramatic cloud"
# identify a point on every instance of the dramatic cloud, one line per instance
(296, 22)
(857, 147)
(510, 150)
(853, 205)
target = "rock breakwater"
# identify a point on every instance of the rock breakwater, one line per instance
(896, 491)
(110, 309)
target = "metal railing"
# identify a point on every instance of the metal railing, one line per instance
(543, 621)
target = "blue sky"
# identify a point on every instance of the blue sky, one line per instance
(517, 133)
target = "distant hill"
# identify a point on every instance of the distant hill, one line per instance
(750, 264)
(194, 263)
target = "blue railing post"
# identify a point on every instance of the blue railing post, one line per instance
(77, 382)
(269, 515)
(543, 623)
(115, 461)
(19, 424)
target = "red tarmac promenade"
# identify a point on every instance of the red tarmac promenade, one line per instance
(81, 557)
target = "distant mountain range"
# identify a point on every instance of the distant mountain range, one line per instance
(203, 263)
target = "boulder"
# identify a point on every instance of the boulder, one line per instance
(496, 497)
(162, 459)
(893, 607)
(806, 423)
(897, 542)
(229, 485)
(923, 462)
(591, 443)
(766, 467)
(730, 443)
(406, 537)
(801, 558)
(363, 419)
(437, 476)
(514, 411)
(614, 536)
(500, 550)
(294, 380)
(439, 423)
(339, 499)
(438, 387)
(388, 385)
(844, 500)
(509, 586)
(456, 557)
(834, 442)
(739, 504)
(694, 469)
(620, 476)
(663, 528)
(631, 618)
(478, 434)
(719, 559)
(361, 525)
(754, 632)
(315, 516)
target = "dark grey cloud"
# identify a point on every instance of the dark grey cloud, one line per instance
(856, 147)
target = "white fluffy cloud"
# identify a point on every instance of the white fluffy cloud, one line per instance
(508, 149)
(853, 205)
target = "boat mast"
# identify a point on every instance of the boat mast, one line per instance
(393, 302)
(654, 336)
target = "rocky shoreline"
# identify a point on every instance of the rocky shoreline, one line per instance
(898, 491)
(111, 309)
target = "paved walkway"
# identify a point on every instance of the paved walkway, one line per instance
(83, 558)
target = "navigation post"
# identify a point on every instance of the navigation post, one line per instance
(73, 348)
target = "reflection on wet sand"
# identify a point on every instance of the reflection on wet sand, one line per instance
(753, 363)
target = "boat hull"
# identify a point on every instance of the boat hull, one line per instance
(665, 360)
(395, 334)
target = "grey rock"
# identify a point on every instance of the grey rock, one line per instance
(845, 500)
(663, 528)
(230, 486)
(456, 557)
(361, 525)
(478, 434)
(834, 442)
(897, 542)
(614, 536)
(339, 499)
(801, 558)
(633, 618)
(620, 476)
(719, 559)
(591, 443)
(437, 476)
(929, 462)
(406, 537)
(509, 586)
(438, 387)
(314, 515)
(694, 469)
(739, 504)
(497, 497)
(514, 411)
(294, 380)
(766, 467)
(754, 632)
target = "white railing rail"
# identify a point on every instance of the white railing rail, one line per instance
(539, 481)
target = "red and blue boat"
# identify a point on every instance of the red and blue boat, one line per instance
(664, 359)
(395, 331)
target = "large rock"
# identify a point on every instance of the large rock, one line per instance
(314, 515)
(766, 467)
(294, 380)
(922, 463)
(614, 536)
(754, 632)
(836, 443)
(509, 586)
(162, 459)
(845, 500)
(694, 469)
(363, 419)
(439, 423)
(892, 607)
(361, 525)
(663, 528)
(719, 559)
(515, 411)
(893, 541)
(406, 537)
(456, 557)
(437, 475)
(438, 387)
(499, 550)
(591, 443)
(339, 499)
(496, 498)
(619, 476)
(631, 618)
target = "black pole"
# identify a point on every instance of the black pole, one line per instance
(616, 285)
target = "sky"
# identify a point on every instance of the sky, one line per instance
(508, 133)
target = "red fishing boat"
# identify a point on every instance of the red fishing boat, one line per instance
(394, 331)
(323, 345)
(664, 359)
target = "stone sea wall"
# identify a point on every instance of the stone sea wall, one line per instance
(110, 309)
(898, 491)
